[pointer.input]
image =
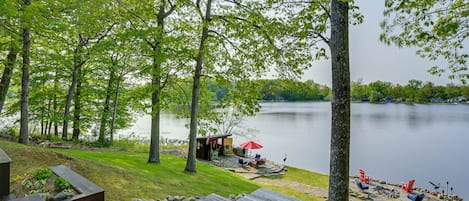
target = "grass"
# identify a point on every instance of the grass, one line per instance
(293, 193)
(300, 176)
(125, 175)
(307, 177)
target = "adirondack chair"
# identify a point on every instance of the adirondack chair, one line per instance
(409, 186)
(416, 197)
(361, 185)
(363, 178)
(214, 155)
(242, 162)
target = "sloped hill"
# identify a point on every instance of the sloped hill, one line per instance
(127, 175)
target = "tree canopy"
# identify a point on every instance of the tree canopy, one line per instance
(438, 29)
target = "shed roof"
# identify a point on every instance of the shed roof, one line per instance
(4, 157)
(214, 136)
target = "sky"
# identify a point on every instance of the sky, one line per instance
(372, 60)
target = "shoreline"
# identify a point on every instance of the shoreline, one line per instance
(388, 190)
(312, 189)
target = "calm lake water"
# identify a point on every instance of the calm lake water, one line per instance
(392, 142)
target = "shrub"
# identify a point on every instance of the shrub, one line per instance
(43, 173)
(61, 183)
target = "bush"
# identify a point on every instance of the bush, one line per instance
(61, 183)
(43, 173)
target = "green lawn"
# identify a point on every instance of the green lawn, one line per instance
(125, 175)
(307, 177)
(301, 176)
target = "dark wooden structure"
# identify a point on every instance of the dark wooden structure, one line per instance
(207, 145)
(263, 194)
(260, 194)
(88, 191)
(33, 197)
(4, 175)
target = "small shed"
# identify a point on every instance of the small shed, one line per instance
(215, 145)
(4, 174)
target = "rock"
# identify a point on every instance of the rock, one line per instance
(62, 196)
(382, 182)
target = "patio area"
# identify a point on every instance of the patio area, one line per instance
(231, 162)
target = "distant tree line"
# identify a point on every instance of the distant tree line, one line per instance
(279, 90)
(414, 91)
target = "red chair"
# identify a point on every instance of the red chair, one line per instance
(409, 187)
(363, 178)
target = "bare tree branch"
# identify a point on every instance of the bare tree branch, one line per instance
(173, 7)
(325, 10)
(99, 38)
(198, 9)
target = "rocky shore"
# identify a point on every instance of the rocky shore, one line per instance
(382, 190)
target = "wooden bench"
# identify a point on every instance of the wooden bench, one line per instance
(88, 191)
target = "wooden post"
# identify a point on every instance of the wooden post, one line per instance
(4, 174)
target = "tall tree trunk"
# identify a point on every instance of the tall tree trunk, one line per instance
(24, 132)
(114, 110)
(7, 74)
(340, 128)
(77, 111)
(49, 130)
(104, 115)
(154, 155)
(42, 127)
(56, 126)
(191, 165)
(77, 63)
(49, 119)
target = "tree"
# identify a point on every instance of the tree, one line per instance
(340, 133)
(10, 37)
(241, 41)
(425, 93)
(358, 90)
(191, 165)
(7, 73)
(87, 30)
(24, 131)
(162, 40)
(438, 28)
(314, 19)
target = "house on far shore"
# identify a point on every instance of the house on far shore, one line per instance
(461, 99)
(436, 100)
(388, 99)
(365, 99)
(209, 147)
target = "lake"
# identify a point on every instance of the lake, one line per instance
(392, 142)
